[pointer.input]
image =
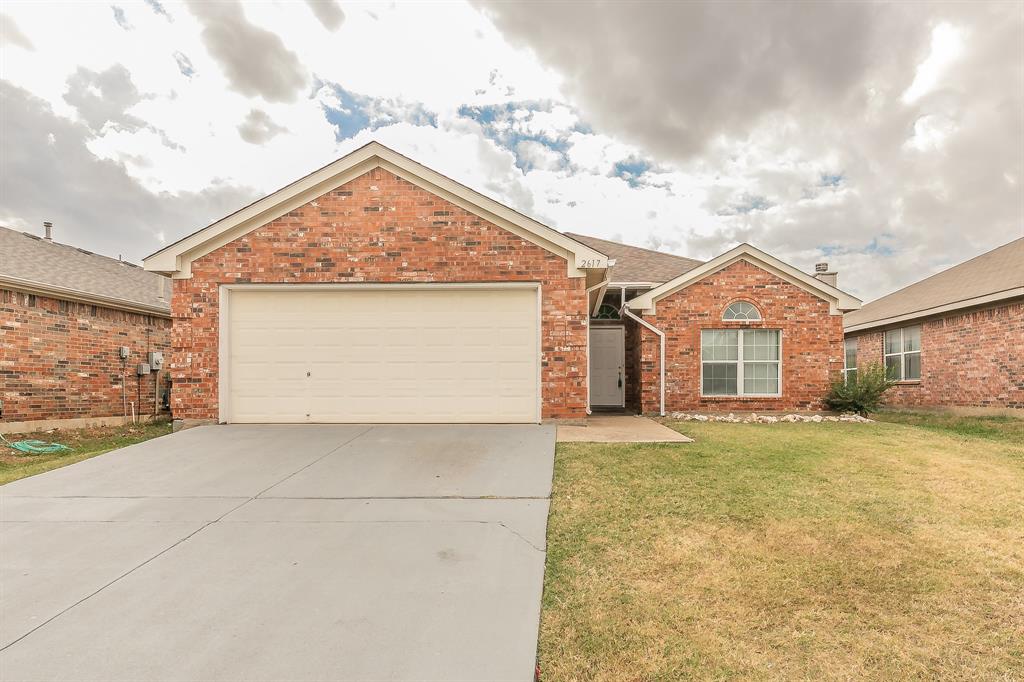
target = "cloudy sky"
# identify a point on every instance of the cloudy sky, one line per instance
(887, 139)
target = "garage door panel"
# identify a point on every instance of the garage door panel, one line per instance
(383, 355)
(273, 409)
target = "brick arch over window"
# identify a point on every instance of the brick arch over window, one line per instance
(741, 311)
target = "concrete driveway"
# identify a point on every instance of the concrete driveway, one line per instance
(311, 552)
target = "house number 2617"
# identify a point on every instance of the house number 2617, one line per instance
(589, 263)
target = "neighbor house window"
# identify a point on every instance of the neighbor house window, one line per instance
(740, 361)
(850, 359)
(903, 354)
(741, 311)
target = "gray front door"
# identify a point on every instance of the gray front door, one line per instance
(607, 366)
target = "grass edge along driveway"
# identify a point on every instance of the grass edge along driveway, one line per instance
(876, 551)
(84, 443)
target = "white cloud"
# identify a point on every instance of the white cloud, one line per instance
(538, 155)
(884, 141)
(947, 45)
(878, 136)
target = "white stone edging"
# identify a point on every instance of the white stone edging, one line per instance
(754, 418)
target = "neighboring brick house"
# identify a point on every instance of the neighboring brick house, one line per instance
(953, 340)
(377, 290)
(65, 313)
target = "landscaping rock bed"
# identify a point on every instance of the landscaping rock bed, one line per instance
(754, 418)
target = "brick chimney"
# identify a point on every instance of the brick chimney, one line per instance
(822, 272)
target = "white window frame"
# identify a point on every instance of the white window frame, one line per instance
(903, 353)
(738, 361)
(856, 348)
(742, 319)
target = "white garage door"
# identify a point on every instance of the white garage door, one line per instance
(382, 354)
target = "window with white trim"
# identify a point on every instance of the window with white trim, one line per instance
(903, 354)
(741, 311)
(850, 359)
(740, 362)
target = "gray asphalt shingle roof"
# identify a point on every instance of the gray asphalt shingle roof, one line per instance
(999, 270)
(49, 265)
(635, 264)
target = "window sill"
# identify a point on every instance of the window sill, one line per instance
(770, 396)
(909, 382)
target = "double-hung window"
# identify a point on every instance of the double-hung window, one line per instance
(903, 354)
(850, 359)
(740, 362)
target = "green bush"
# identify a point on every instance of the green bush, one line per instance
(862, 393)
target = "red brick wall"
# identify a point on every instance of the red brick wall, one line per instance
(59, 359)
(812, 341)
(973, 359)
(379, 228)
(633, 363)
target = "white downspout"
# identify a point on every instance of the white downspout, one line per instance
(661, 340)
(600, 284)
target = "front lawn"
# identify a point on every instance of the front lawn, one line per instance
(84, 443)
(789, 551)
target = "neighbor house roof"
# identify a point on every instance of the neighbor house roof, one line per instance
(638, 265)
(993, 276)
(839, 300)
(35, 265)
(176, 259)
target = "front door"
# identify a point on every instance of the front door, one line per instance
(607, 366)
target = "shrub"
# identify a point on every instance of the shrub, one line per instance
(863, 393)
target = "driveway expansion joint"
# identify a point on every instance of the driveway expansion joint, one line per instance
(122, 576)
(245, 501)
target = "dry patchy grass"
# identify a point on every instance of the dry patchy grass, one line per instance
(787, 551)
(84, 443)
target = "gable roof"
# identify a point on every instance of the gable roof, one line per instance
(176, 259)
(992, 276)
(839, 300)
(635, 264)
(34, 265)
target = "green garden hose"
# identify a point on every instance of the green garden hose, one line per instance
(35, 447)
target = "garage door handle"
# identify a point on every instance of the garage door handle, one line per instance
(309, 374)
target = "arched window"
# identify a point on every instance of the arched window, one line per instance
(741, 311)
(607, 312)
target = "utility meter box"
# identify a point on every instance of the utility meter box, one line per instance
(156, 360)
(124, 352)
(142, 369)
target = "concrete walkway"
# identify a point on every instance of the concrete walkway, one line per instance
(620, 428)
(281, 552)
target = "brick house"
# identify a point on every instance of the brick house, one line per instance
(377, 290)
(953, 340)
(65, 314)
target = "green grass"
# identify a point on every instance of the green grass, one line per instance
(84, 443)
(788, 551)
(1004, 428)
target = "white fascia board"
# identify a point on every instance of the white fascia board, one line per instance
(175, 259)
(937, 310)
(839, 301)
